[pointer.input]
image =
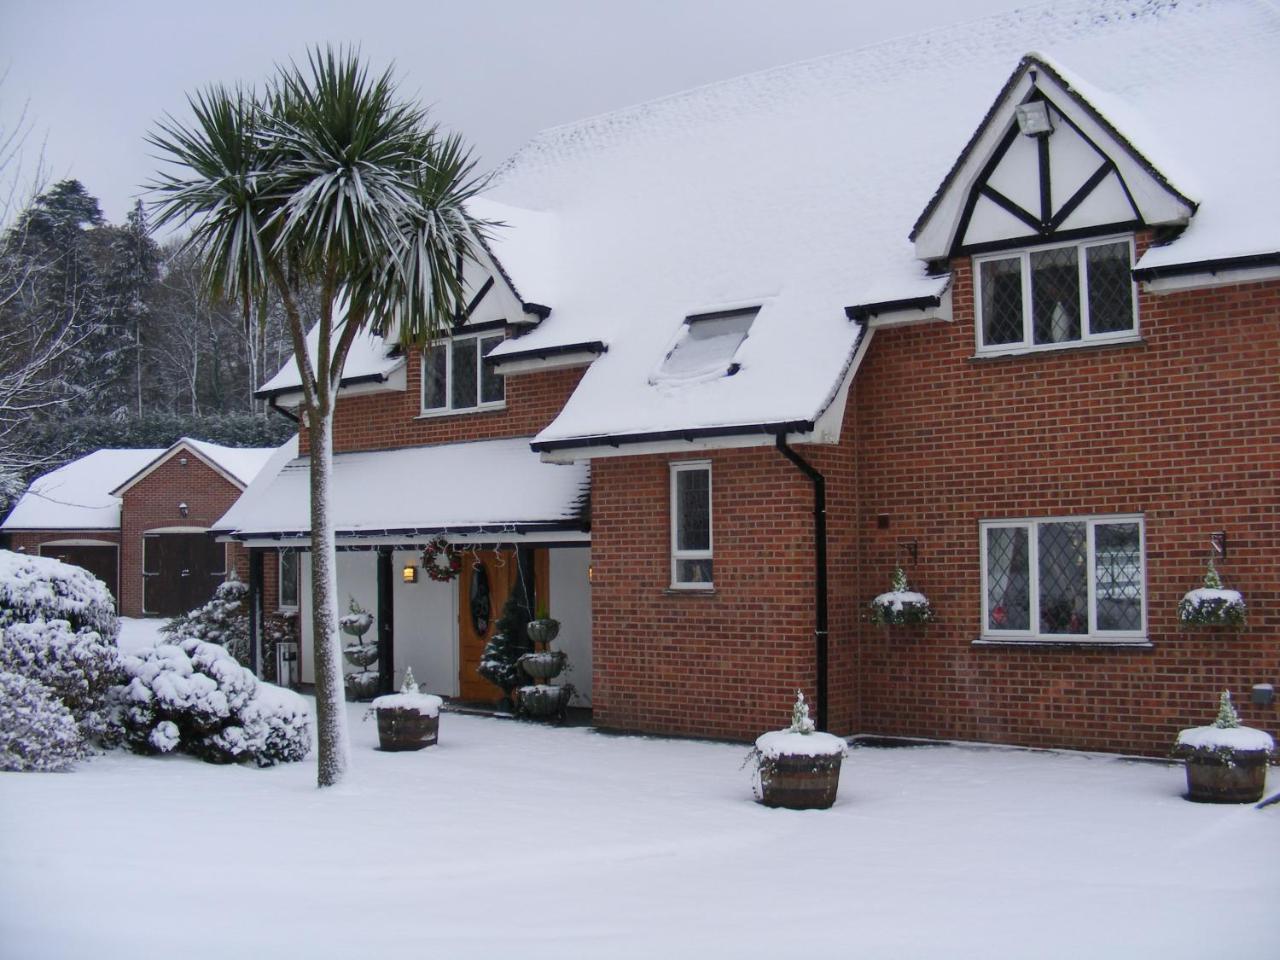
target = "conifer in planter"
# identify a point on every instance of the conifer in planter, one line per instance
(901, 606)
(500, 661)
(798, 768)
(1212, 605)
(1226, 762)
(408, 720)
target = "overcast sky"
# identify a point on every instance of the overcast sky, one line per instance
(95, 76)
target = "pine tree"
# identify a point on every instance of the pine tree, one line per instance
(499, 662)
(1212, 580)
(1227, 716)
(800, 722)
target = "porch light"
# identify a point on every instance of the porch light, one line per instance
(183, 509)
(1033, 118)
(410, 573)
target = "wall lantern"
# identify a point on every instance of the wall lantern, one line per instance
(183, 509)
(591, 572)
(410, 573)
(1219, 543)
(1033, 118)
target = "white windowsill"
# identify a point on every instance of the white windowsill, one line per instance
(1094, 643)
(461, 412)
(691, 589)
(996, 353)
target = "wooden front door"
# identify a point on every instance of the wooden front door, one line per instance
(180, 571)
(484, 584)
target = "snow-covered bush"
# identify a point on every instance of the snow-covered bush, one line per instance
(36, 731)
(42, 588)
(80, 668)
(1212, 605)
(224, 620)
(901, 605)
(194, 696)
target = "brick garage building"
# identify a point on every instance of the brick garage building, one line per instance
(139, 520)
(1006, 320)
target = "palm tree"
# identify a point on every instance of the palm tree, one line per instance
(326, 180)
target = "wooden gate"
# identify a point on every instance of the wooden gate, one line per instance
(179, 571)
(102, 560)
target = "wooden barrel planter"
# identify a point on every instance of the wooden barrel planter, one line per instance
(799, 771)
(1239, 777)
(407, 721)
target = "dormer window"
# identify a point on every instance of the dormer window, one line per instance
(1055, 296)
(707, 345)
(455, 378)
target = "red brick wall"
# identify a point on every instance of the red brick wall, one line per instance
(724, 664)
(153, 502)
(1183, 428)
(382, 421)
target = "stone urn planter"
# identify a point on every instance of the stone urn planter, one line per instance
(408, 720)
(1225, 762)
(542, 631)
(542, 701)
(798, 768)
(543, 665)
(362, 684)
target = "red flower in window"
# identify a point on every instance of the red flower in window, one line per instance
(998, 616)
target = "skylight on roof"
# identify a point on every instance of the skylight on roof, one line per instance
(707, 345)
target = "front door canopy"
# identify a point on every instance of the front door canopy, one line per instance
(1008, 189)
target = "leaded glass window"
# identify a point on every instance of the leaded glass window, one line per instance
(456, 378)
(691, 562)
(1069, 578)
(1055, 295)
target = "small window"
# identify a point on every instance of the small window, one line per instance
(707, 345)
(1069, 578)
(289, 559)
(691, 525)
(455, 377)
(1056, 296)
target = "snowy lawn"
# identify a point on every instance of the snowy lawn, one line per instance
(510, 839)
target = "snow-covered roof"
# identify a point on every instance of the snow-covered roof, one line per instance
(796, 189)
(494, 485)
(238, 464)
(371, 359)
(78, 496)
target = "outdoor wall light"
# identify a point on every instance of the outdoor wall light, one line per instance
(183, 509)
(1219, 543)
(1033, 118)
(591, 572)
(410, 573)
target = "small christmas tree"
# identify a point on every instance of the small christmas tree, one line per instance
(409, 685)
(499, 663)
(800, 722)
(1227, 716)
(899, 581)
(1211, 579)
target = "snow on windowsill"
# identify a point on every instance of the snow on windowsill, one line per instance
(1226, 738)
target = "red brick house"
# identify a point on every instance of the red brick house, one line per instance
(139, 520)
(1006, 319)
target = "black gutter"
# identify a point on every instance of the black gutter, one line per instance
(596, 347)
(688, 435)
(543, 526)
(345, 382)
(1208, 266)
(537, 309)
(864, 311)
(272, 405)
(820, 569)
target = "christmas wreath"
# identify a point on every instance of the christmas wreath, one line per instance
(437, 550)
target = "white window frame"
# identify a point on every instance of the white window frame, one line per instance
(297, 578)
(677, 555)
(1093, 634)
(1028, 344)
(449, 409)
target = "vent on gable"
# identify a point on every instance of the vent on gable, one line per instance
(707, 346)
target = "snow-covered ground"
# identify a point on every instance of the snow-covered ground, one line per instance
(511, 839)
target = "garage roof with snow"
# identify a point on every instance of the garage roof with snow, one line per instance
(78, 496)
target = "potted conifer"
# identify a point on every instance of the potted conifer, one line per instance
(798, 767)
(408, 720)
(1226, 762)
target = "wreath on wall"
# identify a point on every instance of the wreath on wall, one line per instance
(442, 560)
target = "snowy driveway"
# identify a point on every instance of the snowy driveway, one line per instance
(517, 840)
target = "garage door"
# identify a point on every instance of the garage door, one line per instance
(101, 560)
(179, 571)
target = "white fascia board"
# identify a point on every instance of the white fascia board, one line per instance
(827, 428)
(579, 358)
(1156, 204)
(1209, 279)
(575, 454)
(418, 540)
(180, 447)
(914, 315)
